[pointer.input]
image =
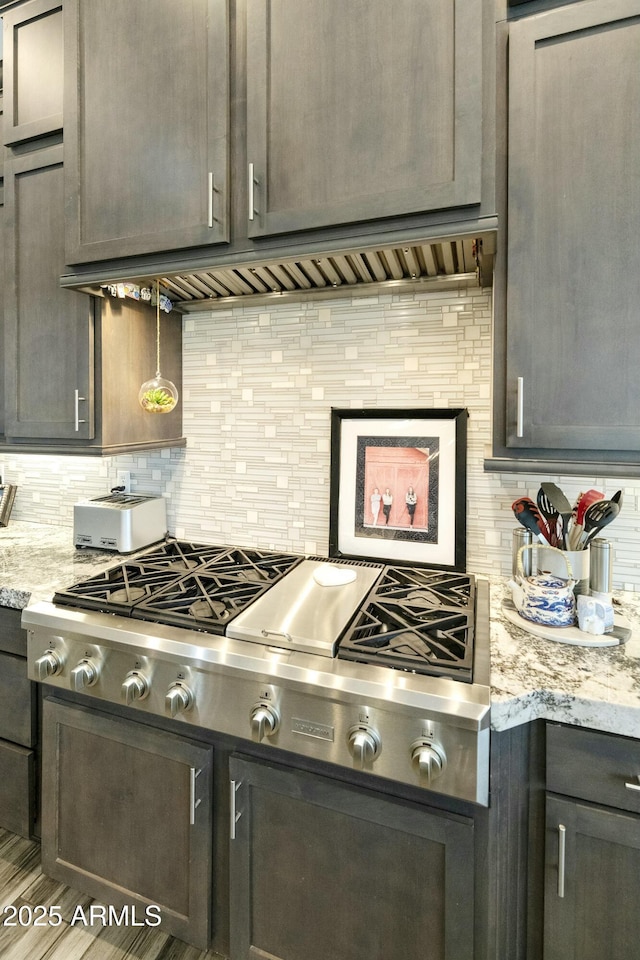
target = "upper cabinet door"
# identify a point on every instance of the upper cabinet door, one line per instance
(33, 70)
(361, 110)
(49, 332)
(574, 214)
(2, 285)
(146, 143)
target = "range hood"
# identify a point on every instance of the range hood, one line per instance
(428, 265)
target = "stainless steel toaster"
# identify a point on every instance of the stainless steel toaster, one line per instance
(122, 522)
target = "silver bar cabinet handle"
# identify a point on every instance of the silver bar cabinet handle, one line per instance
(562, 843)
(210, 192)
(252, 183)
(193, 803)
(520, 408)
(77, 399)
(633, 786)
(234, 816)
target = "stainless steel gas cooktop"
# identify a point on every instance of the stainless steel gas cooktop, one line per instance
(379, 667)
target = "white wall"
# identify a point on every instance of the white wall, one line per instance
(259, 382)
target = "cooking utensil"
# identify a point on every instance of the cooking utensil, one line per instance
(597, 516)
(617, 498)
(527, 513)
(583, 501)
(550, 515)
(562, 505)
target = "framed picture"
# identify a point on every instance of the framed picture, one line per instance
(399, 486)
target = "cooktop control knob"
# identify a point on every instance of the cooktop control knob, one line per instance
(85, 674)
(429, 758)
(364, 743)
(265, 720)
(135, 687)
(48, 665)
(179, 698)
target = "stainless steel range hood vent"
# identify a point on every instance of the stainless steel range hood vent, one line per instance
(460, 261)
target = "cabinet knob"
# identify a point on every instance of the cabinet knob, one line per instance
(264, 721)
(48, 665)
(364, 744)
(178, 699)
(135, 687)
(85, 674)
(428, 758)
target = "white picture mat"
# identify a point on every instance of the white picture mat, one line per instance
(442, 552)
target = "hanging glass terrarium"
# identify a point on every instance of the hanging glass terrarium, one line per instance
(158, 395)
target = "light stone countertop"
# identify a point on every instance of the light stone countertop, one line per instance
(531, 678)
(37, 559)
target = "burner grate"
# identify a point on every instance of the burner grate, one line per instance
(214, 594)
(199, 586)
(117, 589)
(416, 619)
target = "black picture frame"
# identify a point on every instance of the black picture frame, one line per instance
(424, 450)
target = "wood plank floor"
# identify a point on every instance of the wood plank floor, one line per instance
(22, 884)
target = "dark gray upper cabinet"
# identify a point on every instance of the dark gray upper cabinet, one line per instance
(146, 143)
(48, 331)
(360, 111)
(33, 70)
(571, 345)
(2, 284)
(271, 126)
(73, 364)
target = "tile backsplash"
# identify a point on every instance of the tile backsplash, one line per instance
(258, 386)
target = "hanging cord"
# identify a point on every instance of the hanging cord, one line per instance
(158, 374)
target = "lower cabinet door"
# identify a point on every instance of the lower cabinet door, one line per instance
(17, 702)
(17, 800)
(127, 817)
(592, 882)
(323, 870)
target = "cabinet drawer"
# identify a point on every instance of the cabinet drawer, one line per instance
(13, 639)
(17, 702)
(600, 767)
(16, 788)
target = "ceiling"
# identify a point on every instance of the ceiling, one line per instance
(462, 260)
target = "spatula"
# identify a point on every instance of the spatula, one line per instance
(526, 513)
(585, 500)
(550, 515)
(597, 516)
(582, 503)
(562, 505)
